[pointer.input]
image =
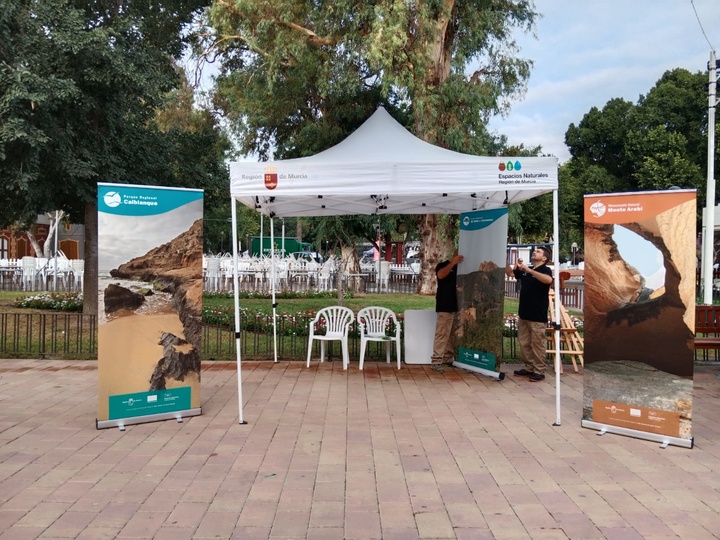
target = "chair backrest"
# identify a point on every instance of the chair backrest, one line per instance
(78, 265)
(337, 318)
(213, 266)
(707, 319)
(29, 265)
(375, 319)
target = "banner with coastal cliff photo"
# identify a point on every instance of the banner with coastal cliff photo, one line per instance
(639, 314)
(150, 250)
(481, 289)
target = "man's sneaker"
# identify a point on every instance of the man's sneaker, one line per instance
(438, 367)
(535, 377)
(522, 372)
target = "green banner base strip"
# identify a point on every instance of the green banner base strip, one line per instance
(478, 361)
(664, 440)
(149, 403)
(122, 422)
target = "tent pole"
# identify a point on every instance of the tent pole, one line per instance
(236, 294)
(556, 324)
(273, 276)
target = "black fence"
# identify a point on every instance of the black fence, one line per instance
(572, 294)
(74, 336)
(48, 335)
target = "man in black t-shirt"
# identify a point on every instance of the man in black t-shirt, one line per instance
(446, 306)
(535, 284)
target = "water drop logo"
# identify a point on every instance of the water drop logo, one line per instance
(112, 199)
(466, 221)
(510, 166)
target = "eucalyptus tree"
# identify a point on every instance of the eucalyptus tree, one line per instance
(297, 77)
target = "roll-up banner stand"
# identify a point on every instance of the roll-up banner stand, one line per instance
(639, 315)
(150, 303)
(481, 290)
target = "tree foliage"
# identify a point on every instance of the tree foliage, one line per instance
(657, 143)
(298, 77)
(80, 85)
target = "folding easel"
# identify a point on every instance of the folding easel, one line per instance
(571, 342)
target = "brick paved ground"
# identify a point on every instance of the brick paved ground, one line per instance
(328, 454)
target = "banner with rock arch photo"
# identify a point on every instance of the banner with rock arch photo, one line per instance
(150, 250)
(640, 261)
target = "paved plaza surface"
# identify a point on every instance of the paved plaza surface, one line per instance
(333, 454)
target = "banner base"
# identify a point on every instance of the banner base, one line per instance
(499, 375)
(664, 440)
(122, 422)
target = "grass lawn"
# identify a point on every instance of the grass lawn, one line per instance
(398, 303)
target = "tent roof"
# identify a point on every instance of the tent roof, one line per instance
(382, 168)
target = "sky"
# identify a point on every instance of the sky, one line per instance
(124, 237)
(588, 52)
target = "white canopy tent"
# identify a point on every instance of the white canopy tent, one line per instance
(382, 168)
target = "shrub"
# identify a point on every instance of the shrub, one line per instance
(286, 295)
(55, 301)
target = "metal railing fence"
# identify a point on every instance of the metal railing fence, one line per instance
(74, 336)
(572, 295)
(48, 335)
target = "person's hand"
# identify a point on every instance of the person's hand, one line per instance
(457, 259)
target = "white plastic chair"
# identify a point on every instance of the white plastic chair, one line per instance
(375, 324)
(29, 272)
(323, 277)
(383, 275)
(337, 320)
(212, 274)
(259, 269)
(78, 271)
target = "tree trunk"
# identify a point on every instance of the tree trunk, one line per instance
(50, 242)
(90, 276)
(435, 246)
(34, 243)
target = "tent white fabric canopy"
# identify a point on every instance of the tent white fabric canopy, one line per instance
(382, 168)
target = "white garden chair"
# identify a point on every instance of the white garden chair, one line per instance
(336, 320)
(78, 272)
(324, 276)
(212, 274)
(29, 273)
(378, 324)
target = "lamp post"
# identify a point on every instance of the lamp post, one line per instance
(230, 238)
(573, 249)
(282, 247)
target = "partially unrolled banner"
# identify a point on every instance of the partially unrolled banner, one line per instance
(481, 289)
